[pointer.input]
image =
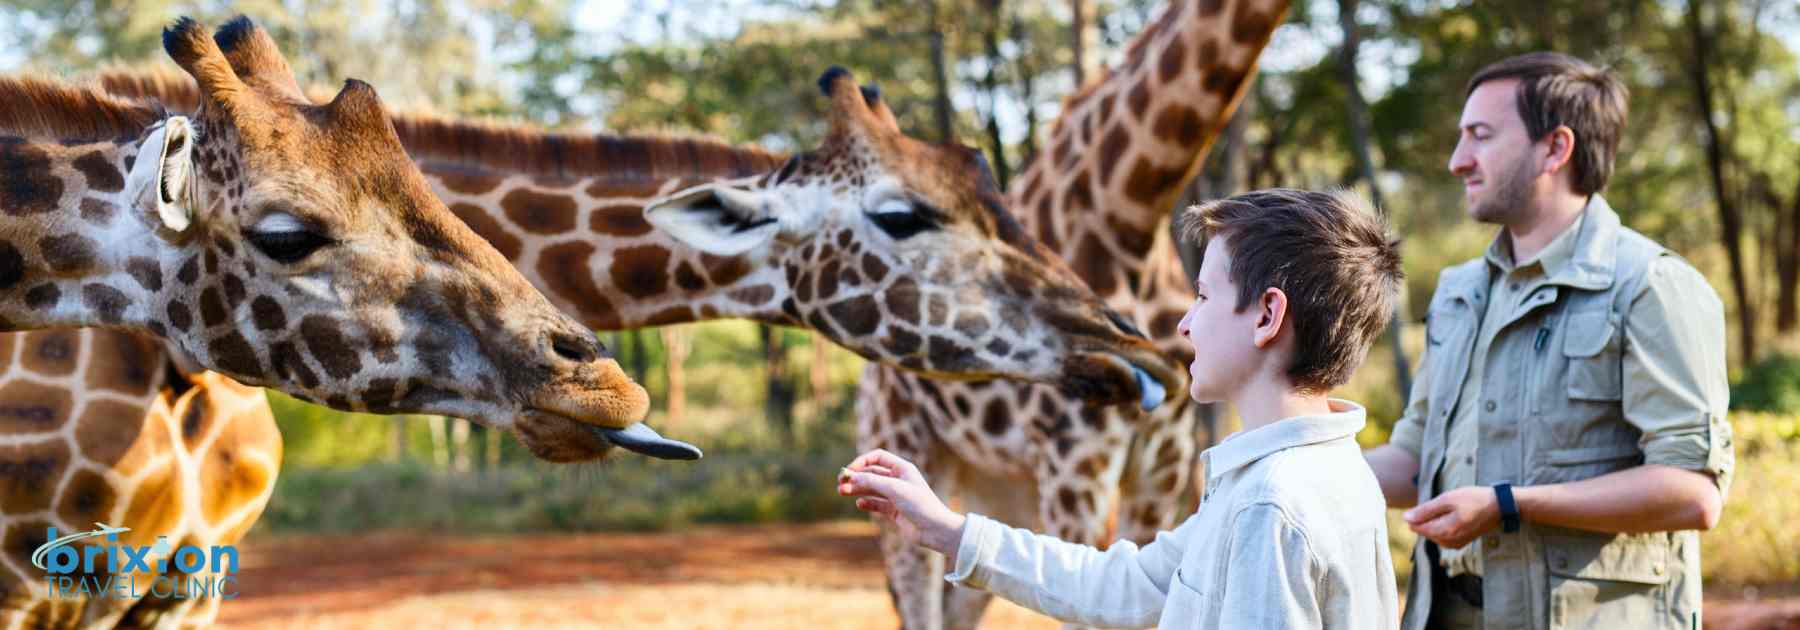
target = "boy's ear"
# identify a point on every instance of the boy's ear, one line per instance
(1273, 306)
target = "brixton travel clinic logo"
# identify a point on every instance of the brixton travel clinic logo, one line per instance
(111, 571)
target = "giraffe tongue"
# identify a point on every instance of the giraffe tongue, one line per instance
(641, 439)
(1152, 391)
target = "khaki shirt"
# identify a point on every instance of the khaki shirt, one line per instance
(1614, 359)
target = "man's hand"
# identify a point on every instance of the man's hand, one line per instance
(1457, 517)
(890, 486)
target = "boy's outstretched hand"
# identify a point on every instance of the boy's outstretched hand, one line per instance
(890, 486)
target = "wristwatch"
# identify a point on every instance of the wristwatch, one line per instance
(1509, 510)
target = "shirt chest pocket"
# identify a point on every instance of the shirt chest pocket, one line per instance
(1185, 605)
(1592, 345)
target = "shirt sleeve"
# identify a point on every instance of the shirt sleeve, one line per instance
(1124, 586)
(1675, 387)
(1274, 580)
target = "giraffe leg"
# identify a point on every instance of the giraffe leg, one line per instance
(1010, 501)
(1078, 490)
(1158, 476)
(914, 574)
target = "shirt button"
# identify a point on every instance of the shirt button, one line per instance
(1489, 406)
(1469, 460)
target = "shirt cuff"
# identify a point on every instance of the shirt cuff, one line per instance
(975, 549)
(1709, 452)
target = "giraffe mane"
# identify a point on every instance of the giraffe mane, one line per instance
(41, 107)
(502, 145)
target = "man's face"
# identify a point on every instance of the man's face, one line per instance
(1495, 157)
(1223, 338)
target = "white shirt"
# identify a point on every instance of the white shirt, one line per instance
(1291, 533)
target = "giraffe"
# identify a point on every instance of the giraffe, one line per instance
(292, 245)
(99, 427)
(1118, 158)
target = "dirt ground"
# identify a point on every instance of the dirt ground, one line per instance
(816, 577)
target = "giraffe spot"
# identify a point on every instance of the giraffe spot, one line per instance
(641, 271)
(119, 436)
(900, 341)
(106, 302)
(1208, 56)
(289, 366)
(873, 269)
(230, 482)
(1222, 80)
(539, 213)
(564, 269)
(43, 296)
(378, 395)
(68, 253)
(29, 187)
(1164, 324)
(101, 174)
(1169, 65)
(1179, 124)
(212, 309)
(226, 249)
(723, 270)
(972, 324)
(97, 211)
(384, 347)
(828, 280)
(803, 286)
(1138, 99)
(234, 290)
(1249, 27)
(146, 272)
(212, 261)
(12, 265)
(1067, 499)
(1046, 220)
(266, 313)
(938, 308)
(190, 271)
(1129, 237)
(233, 355)
(948, 355)
(671, 315)
(903, 301)
(51, 352)
(22, 540)
(857, 316)
(1209, 8)
(754, 295)
(28, 407)
(467, 183)
(1094, 417)
(1093, 265)
(687, 278)
(1112, 151)
(179, 316)
(326, 342)
(488, 229)
(621, 220)
(29, 474)
(994, 419)
(87, 498)
(998, 347)
(1149, 183)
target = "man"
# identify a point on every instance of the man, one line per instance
(1567, 433)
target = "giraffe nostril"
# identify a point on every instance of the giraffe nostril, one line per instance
(575, 348)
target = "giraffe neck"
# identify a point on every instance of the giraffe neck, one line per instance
(1126, 145)
(582, 239)
(73, 252)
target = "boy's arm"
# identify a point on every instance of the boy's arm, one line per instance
(1124, 586)
(1273, 578)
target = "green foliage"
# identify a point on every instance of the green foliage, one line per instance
(1755, 538)
(1772, 385)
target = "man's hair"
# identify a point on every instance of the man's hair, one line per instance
(1329, 252)
(1557, 90)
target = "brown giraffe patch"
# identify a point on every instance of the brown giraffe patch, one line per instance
(873, 269)
(12, 266)
(29, 186)
(68, 253)
(43, 296)
(106, 302)
(690, 280)
(671, 315)
(752, 295)
(468, 183)
(102, 438)
(1207, 56)
(619, 221)
(1169, 65)
(28, 474)
(563, 267)
(212, 309)
(179, 316)
(999, 347)
(723, 270)
(1112, 151)
(97, 211)
(190, 270)
(1209, 8)
(1164, 324)
(267, 313)
(1250, 27)
(233, 354)
(828, 281)
(146, 272)
(134, 372)
(1092, 265)
(1138, 99)
(1179, 124)
(88, 498)
(641, 271)
(973, 324)
(326, 342)
(1128, 236)
(290, 366)
(101, 174)
(234, 290)
(51, 352)
(211, 258)
(994, 417)
(1223, 81)
(27, 407)
(539, 213)
(857, 316)
(488, 229)
(1149, 181)
(938, 309)
(903, 301)
(900, 341)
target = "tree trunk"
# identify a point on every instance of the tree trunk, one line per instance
(1078, 41)
(778, 401)
(820, 374)
(991, 85)
(1731, 220)
(491, 448)
(440, 452)
(675, 350)
(1027, 74)
(1789, 270)
(396, 438)
(459, 445)
(940, 76)
(1358, 113)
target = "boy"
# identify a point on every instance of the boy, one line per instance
(1291, 532)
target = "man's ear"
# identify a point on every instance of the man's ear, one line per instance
(159, 178)
(1273, 306)
(716, 218)
(1561, 143)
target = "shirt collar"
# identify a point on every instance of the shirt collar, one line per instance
(1551, 259)
(1240, 449)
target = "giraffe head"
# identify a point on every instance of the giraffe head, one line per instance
(300, 248)
(905, 252)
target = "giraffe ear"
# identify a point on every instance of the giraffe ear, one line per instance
(159, 177)
(716, 218)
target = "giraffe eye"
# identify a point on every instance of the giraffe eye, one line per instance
(903, 223)
(287, 247)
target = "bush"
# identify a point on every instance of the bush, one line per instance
(1772, 385)
(1755, 540)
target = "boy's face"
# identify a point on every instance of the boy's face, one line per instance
(1224, 339)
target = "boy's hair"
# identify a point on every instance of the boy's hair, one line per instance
(1329, 252)
(1557, 90)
